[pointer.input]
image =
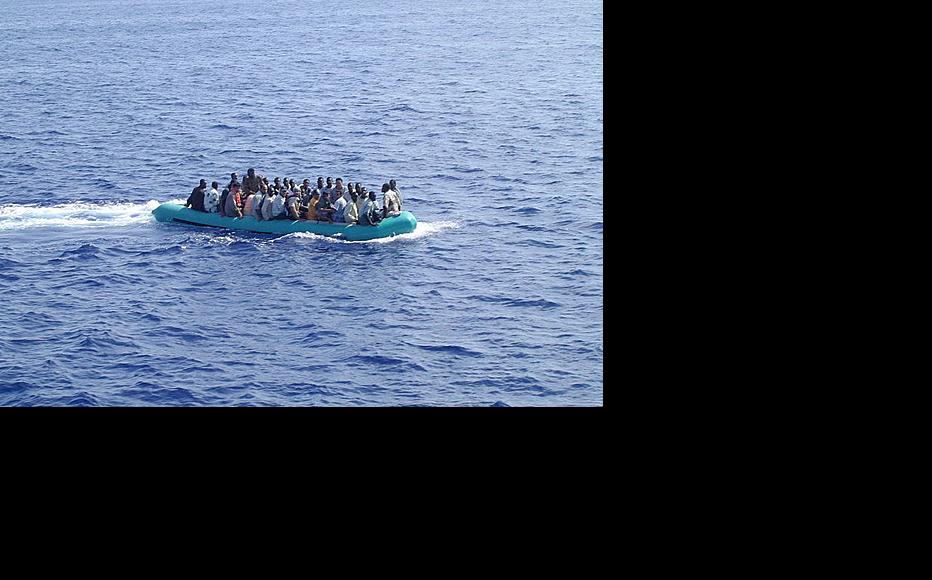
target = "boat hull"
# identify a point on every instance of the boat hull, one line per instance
(392, 226)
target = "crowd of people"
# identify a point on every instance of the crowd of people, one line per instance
(284, 200)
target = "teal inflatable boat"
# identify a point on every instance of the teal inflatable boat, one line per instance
(403, 223)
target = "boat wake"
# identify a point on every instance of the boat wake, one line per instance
(75, 215)
(108, 215)
(423, 229)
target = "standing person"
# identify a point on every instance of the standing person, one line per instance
(234, 178)
(306, 187)
(394, 187)
(320, 184)
(196, 199)
(212, 199)
(329, 187)
(390, 205)
(234, 201)
(251, 182)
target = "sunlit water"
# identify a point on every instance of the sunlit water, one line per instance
(489, 115)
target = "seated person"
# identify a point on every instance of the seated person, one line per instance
(371, 214)
(233, 202)
(196, 199)
(312, 205)
(212, 199)
(292, 203)
(325, 208)
(249, 207)
(351, 211)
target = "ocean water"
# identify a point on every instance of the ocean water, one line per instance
(487, 113)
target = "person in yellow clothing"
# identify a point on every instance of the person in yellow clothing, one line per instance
(312, 206)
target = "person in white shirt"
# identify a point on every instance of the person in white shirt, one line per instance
(292, 203)
(394, 187)
(278, 206)
(212, 199)
(267, 205)
(370, 213)
(339, 200)
(351, 211)
(390, 205)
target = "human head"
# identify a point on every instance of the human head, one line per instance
(234, 176)
(278, 181)
(392, 184)
(350, 186)
(320, 182)
(353, 194)
(250, 172)
(330, 181)
(214, 185)
(372, 195)
(326, 195)
(306, 182)
(234, 186)
(385, 187)
(203, 183)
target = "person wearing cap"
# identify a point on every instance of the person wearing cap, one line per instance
(234, 201)
(196, 199)
(212, 199)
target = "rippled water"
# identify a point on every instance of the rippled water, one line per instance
(489, 115)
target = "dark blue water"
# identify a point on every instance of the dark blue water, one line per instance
(488, 114)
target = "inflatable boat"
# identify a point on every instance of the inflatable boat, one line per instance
(403, 223)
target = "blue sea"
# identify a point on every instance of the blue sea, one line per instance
(487, 113)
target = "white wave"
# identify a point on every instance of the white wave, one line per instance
(76, 215)
(422, 229)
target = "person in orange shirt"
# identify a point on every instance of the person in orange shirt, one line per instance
(312, 206)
